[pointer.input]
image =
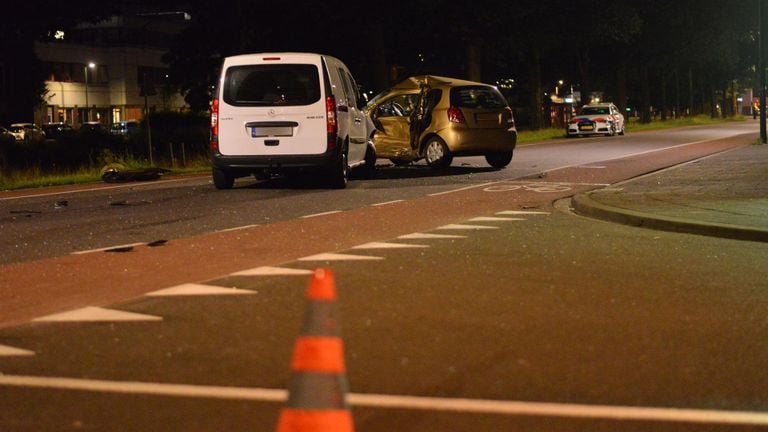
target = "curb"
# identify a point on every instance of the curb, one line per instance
(585, 205)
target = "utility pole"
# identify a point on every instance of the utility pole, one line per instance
(761, 70)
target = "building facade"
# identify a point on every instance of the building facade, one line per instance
(109, 71)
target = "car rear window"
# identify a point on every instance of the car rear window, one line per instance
(477, 97)
(272, 85)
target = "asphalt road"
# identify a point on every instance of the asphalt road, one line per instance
(531, 319)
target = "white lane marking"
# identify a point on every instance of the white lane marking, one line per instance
(386, 203)
(321, 214)
(96, 314)
(494, 219)
(592, 166)
(461, 405)
(132, 185)
(465, 227)
(338, 257)
(273, 271)
(384, 245)
(521, 212)
(237, 228)
(425, 236)
(191, 289)
(106, 248)
(8, 351)
(462, 189)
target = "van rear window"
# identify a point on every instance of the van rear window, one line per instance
(272, 85)
(477, 97)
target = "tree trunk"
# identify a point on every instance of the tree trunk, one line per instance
(537, 94)
(621, 88)
(663, 105)
(584, 70)
(645, 95)
(474, 67)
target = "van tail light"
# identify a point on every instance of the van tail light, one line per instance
(456, 116)
(215, 125)
(331, 122)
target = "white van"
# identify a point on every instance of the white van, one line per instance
(278, 112)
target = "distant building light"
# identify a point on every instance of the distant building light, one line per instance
(569, 99)
(58, 34)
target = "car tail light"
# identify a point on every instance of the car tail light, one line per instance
(332, 126)
(456, 116)
(511, 118)
(215, 125)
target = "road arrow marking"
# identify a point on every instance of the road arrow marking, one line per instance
(425, 236)
(191, 289)
(338, 257)
(383, 245)
(97, 314)
(465, 227)
(273, 271)
(8, 351)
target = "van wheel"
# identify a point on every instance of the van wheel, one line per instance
(222, 180)
(437, 154)
(498, 159)
(339, 175)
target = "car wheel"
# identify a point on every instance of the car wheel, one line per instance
(222, 179)
(437, 154)
(339, 174)
(499, 159)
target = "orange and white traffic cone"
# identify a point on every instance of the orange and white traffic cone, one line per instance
(318, 386)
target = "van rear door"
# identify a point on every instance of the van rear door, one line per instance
(272, 105)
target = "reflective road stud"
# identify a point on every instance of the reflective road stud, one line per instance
(318, 387)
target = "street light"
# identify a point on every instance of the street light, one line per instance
(90, 65)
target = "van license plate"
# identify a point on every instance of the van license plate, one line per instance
(271, 131)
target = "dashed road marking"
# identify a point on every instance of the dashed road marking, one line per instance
(462, 189)
(237, 228)
(321, 214)
(129, 245)
(9, 351)
(465, 227)
(338, 257)
(522, 212)
(273, 271)
(192, 289)
(494, 219)
(386, 203)
(384, 245)
(97, 314)
(426, 236)
(458, 405)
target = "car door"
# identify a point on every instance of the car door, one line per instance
(392, 118)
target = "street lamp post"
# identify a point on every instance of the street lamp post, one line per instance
(90, 65)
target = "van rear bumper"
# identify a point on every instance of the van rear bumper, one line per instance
(246, 165)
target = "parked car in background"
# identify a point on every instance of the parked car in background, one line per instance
(125, 127)
(27, 132)
(93, 126)
(58, 130)
(436, 118)
(597, 119)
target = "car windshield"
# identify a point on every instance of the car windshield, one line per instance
(270, 85)
(594, 110)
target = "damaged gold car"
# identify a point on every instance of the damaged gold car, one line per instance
(436, 118)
